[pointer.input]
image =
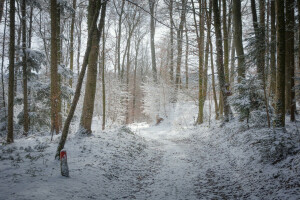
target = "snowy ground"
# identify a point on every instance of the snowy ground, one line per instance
(169, 161)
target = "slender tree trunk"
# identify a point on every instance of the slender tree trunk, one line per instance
(26, 116)
(232, 64)
(54, 68)
(90, 88)
(103, 79)
(79, 42)
(171, 41)
(238, 38)
(152, 33)
(273, 51)
(290, 59)
(72, 43)
(119, 37)
(179, 44)
(30, 27)
(221, 74)
(186, 58)
(81, 75)
(213, 82)
(134, 78)
(10, 117)
(279, 120)
(226, 46)
(2, 63)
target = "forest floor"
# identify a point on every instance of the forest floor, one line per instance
(152, 162)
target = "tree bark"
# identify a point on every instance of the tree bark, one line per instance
(226, 45)
(238, 38)
(10, 117)
(24, 61)
(119, 37)
(273, 50)
(152, 33)
(72, 42)
(54, 68)
(90, 88)
(171, 41)
(179, 44)
(2, 62)
(103, 79)
(219, 46)
(279, 120)
(290, 59)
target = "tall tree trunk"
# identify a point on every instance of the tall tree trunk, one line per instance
(200, 41)
(179, 44)
(186, 58)
(232, 64)
(103, 79)
(26, 116)
(79, 41)
(90, 88)
(81, 75)
(30, 27)
(2, 62)
(10, 117)
(152, 33)
(238, 38)
(273, 50)
(279, 120)
(213, 81)
(219, 46)
(54, 68)
(119, 37)
(72, 43)
(226, 45)
(171, 41)
(290, 59)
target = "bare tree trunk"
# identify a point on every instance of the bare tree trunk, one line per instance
(103, 79)
(290, 59)
(2, 63)
(238, 40)
(186, 58)
(221, 74)
(119, 37)
(10, 117)
(24, 61)
(213, 82)
(171, 41)
(279, 120)
(152, 33)
(72, 43)
(273, 50)
(226, 46)
(179, 44)
(81, 75)
(54, 69)
(90, 88)
(79, 41)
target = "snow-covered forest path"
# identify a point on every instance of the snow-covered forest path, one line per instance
(170, 161)
(189, 168)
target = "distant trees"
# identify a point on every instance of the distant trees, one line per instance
(200, 44)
